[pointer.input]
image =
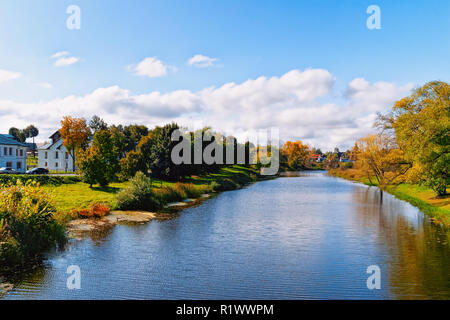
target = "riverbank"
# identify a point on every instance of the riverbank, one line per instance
(437, 208)
(71, 203)
(78, 195)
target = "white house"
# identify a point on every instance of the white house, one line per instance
(54, 156)
(13, 154)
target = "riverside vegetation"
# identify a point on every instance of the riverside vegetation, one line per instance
(410, 156)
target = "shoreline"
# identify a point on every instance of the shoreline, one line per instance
(80, 228)
(438, 215)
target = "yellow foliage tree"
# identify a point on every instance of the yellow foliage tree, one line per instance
(378, 156)
(75, 133)
(296, 154)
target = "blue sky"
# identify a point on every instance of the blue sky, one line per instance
(248, 39)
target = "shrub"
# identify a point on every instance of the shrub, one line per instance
(168, 194)
(96, 210)
(181, 191)
(27, 220)
(41, 179)
(139, 195)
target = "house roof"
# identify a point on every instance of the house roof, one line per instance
(54, 136)
(6, 139)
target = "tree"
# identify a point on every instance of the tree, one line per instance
(100, 162)
(133, 134)
(422, 125)
(97, 124)
(91, 166)
(380, 157)
(130, 165)
(17, 134)
(161, 164)
(31, 132)
(295, 154)
(75, 133)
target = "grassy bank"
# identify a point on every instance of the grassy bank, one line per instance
(437, 208)
(79, 195)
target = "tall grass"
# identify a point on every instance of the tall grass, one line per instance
(27, 223)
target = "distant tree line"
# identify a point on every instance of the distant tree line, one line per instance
(106, 153)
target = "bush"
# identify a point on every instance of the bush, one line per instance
(97, 210)
(139, 195)
(181, 191)
(27, 223)
(41, 179)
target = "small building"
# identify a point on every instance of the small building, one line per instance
(54, 156)
(13, 154)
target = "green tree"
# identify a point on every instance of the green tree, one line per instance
(100, 163)
(97, 124)
(160, 163)
(422, 125)
(31, 132)
(17, 134)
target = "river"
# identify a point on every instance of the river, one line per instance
(306, 237)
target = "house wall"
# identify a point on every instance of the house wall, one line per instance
(14, 157)
(55, 158)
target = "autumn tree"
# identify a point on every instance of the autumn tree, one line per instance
(75, 133)
(422, 125)
(379, 157)
(295, 154)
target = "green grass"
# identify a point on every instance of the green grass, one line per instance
(32, 162)
(437, 208)
(79, 196)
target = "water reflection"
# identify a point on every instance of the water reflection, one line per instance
(419, 264)
(311, 236)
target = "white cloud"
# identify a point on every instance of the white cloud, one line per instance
(303, 104)
(374, 97)
(150, 67)
(201, 61)
(63, 59)
(6, 75)
(44, 85)
(65, 62)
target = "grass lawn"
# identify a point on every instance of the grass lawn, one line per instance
(80, 196)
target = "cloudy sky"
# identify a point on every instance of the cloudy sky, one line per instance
(310, 68)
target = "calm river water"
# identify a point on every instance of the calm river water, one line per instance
(306, 237)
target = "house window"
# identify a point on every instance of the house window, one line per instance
(5, 153)
(10, 151)
(56, 155)
(56, 164)
(45, 164)
(19, 165)
(21, 152)
(67, 155)
(9, 164)
(46, 155)
(17, 152)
